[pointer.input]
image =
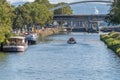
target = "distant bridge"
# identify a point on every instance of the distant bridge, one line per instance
(61, 6)
(88, 22)
(83, 22)
(87, 17)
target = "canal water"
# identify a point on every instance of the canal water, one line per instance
(54, 59)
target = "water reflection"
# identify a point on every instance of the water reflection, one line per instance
(3, 57)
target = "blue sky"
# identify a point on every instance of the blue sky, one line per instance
(51, 1)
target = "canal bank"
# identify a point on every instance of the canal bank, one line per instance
(43, 33)
(49, 31)
(112, 40)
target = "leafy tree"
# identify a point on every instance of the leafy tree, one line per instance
(5, 20)
(113, 16)
(64, 10)
(42, 1)
(39, 14)
(28, 18)
(22, 17)
(45, 2)
(46, 5)
(32, 14)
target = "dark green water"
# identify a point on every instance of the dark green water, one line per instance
(89, 59)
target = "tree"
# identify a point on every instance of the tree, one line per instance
(113, 16)
(46, 13)
(32, 14)
(22, 17)
(39, 14)
(45, 2)
(5, 20)
(64, 10)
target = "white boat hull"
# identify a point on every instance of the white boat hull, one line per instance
(14, 48)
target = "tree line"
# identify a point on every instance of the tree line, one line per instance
(26, 15)
(37, 13)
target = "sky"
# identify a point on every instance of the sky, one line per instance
(51, 1)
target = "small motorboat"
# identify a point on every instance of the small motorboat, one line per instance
(31, 37)
(71, 41)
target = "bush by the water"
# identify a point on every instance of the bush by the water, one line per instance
(112, 40)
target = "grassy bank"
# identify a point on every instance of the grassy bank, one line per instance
(112, 40)
(49, 31)
(43, 33)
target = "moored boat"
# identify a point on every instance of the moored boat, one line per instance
(71, 41)
(32, 38)
(15, 44)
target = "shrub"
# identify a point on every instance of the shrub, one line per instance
(118, 51)
(112, 40)
(114, 34)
